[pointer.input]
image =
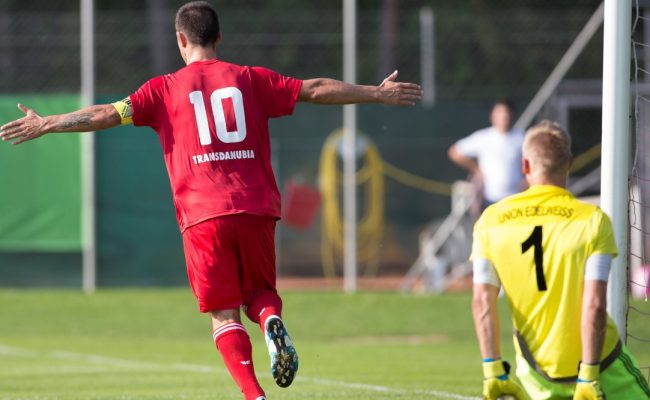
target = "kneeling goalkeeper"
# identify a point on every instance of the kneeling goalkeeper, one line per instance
(551, 253)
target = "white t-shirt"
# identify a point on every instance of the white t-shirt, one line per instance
(499, 159)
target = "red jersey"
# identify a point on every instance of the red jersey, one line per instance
(212, 121)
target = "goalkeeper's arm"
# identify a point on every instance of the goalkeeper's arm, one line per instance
(496, 372)
(32, 125)
(594, 318)
(486, 319)
(594, 307)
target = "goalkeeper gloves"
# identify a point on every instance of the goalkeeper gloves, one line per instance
(497, 383)
(588, 385)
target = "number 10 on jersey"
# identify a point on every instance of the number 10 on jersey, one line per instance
(216, 100)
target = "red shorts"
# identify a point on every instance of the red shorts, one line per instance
(230, 259)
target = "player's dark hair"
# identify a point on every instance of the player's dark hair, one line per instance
(199, 22)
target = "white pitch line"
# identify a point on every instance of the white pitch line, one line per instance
(111, 361)
(386, 389)
(134, 364)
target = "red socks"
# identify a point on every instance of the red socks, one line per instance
(235, 346)
(233, 343)
(262, 306)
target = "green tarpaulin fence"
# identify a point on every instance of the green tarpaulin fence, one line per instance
(40, 183)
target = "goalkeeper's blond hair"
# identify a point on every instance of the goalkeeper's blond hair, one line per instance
(548, 149)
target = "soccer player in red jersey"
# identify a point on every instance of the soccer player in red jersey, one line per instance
(212, 121)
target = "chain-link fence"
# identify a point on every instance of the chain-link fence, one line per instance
(483, 49)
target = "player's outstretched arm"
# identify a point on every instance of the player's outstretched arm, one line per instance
(32, 125)
(332, 91)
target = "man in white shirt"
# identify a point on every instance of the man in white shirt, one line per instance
(493, 156)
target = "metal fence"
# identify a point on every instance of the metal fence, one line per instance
(483, 49)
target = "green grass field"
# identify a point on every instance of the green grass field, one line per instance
(153, 344)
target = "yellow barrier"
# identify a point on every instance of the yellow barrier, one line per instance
(582, 160)
(371, 224)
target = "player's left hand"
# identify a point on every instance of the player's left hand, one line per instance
(399, 93)
(29, 127)
(588, 391)
(497, 382)
(588, 386)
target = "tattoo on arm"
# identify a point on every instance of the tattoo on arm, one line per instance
(80, 120)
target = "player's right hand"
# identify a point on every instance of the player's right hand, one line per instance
(588, 385)
(26, 128)
(497, 382)
(399, 93)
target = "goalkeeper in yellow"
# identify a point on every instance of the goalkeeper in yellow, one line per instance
(551, 254)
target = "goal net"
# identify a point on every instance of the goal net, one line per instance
(638, 319)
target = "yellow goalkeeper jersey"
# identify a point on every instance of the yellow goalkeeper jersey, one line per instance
(538, 242)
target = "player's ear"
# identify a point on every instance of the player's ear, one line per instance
(525, 166)
(218, 42)
(181, 39)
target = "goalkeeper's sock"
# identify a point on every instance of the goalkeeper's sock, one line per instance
(262, 306)
(233, 343)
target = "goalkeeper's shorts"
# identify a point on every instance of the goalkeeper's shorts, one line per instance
(621, 380)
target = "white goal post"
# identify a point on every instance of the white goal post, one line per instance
(87, 148)
(616, 147)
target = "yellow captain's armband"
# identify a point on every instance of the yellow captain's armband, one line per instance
(123, 108)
